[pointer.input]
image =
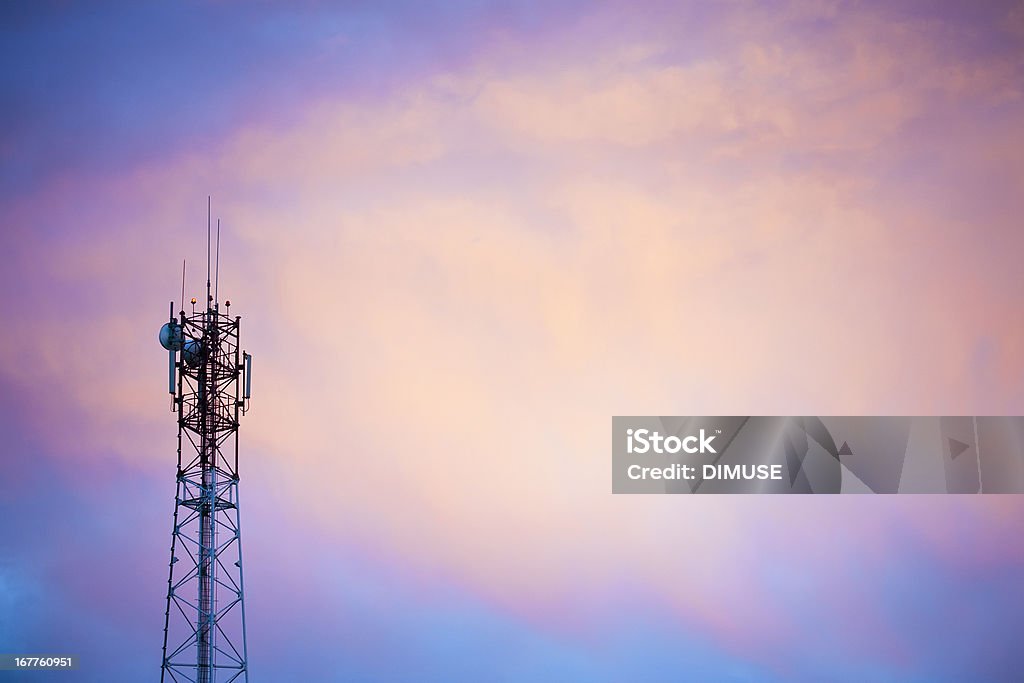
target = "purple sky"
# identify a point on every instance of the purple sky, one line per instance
(461, 238)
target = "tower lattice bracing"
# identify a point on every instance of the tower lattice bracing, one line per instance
(204, 622)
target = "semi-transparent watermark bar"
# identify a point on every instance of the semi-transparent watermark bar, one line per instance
(37, 662)
(764, 454)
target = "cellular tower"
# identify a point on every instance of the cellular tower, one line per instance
(209, 379)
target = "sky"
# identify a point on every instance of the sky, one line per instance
(462, 236)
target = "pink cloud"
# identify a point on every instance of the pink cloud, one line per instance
(449, 292)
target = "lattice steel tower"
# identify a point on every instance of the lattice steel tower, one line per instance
(209, 378)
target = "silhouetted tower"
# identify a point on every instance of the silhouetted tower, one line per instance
(209, 378)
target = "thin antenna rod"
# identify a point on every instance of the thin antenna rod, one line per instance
(182, 284)
(209, 204)
(216, 275)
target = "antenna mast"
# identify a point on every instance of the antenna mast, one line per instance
(210, 375)
(216, 276)
(209, 205)
(182, 302)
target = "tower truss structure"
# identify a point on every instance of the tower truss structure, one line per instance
(204, 620)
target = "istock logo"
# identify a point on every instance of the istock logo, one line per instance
(648, 441)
